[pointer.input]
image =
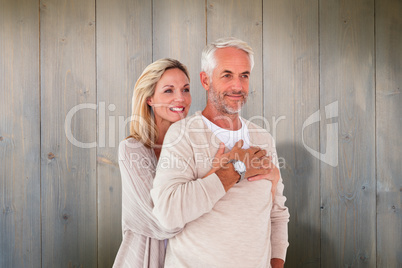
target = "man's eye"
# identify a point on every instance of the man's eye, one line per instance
(226, 75)
(245, 76)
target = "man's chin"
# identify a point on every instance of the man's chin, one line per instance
(233, 110)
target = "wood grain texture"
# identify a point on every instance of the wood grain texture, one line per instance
(124, 49)
(348, 190)
(241, 19)
(68, 183)
(388, 128)
(179, 32)
(20, 243)
(61, 204)
(291, 95)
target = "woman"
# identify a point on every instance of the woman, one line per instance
(161, 97)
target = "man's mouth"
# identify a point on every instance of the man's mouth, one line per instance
(235, 97)
(239, 94)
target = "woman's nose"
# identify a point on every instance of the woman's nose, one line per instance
(179, 96)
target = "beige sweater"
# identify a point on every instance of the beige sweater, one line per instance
(240, 228)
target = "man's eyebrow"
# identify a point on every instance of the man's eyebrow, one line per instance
(230, 72)
(227, 71)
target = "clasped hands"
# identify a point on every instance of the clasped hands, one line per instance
(258, 165)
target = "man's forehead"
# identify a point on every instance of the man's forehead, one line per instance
(230, 57)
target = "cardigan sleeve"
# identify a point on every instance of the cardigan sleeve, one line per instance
(137, 164)
(179, 196)
(279, 217)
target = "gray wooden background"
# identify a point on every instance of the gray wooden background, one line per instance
(61, 204)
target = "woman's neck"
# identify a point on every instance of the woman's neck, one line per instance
(162, 129)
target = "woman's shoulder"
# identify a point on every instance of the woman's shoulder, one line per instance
(130, 145)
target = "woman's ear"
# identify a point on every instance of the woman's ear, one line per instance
(149, 101)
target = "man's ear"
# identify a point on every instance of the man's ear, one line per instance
(205, 80)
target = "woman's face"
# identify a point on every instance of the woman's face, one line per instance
(171, 100)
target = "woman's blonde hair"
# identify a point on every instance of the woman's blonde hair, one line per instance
(142, 125)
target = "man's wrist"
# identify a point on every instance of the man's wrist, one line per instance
(239, 167)
(228, 175)
(277, 263)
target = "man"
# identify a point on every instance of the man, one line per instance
(228, 215)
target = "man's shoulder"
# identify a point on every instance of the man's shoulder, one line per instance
(192, 121)
(259, 136)
(180, 131)
(255, 128)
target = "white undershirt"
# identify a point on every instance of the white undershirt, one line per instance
(230, 137)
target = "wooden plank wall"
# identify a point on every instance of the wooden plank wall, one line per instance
(347, 76)
(20, 238)
(183, 38)
(124, 49)
(68, 170)
(291, 94)
(320, 66)
(388, 28)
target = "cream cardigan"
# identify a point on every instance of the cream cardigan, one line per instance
(142, 244)
(240, 228)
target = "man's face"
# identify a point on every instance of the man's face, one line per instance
(230, 80)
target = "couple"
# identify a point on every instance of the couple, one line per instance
(216, 194)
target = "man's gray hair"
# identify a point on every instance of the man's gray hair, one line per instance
(208, 61)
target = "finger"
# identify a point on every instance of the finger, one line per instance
(253, 149)
(267, 163)
(238, 144)
(255, 172)
(257, 177)
(221, 150)
(260, 153)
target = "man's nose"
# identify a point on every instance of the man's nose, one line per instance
(237, 83)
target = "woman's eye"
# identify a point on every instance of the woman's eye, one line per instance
(168, 91)
(186, 90)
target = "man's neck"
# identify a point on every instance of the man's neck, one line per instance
(223, 120)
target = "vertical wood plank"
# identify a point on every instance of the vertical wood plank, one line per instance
(348, 190)
(291, 95)
(124, 49)
(20, 244)
(68, 170)
(241, 19)
(388, 129)
(179, 32)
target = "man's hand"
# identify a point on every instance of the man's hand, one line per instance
(273, 176)
(219, 160)
(277, 263)
(254, 158)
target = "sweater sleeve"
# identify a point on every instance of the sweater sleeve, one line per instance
(279, 217)
(137, 164)
(179, 196)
